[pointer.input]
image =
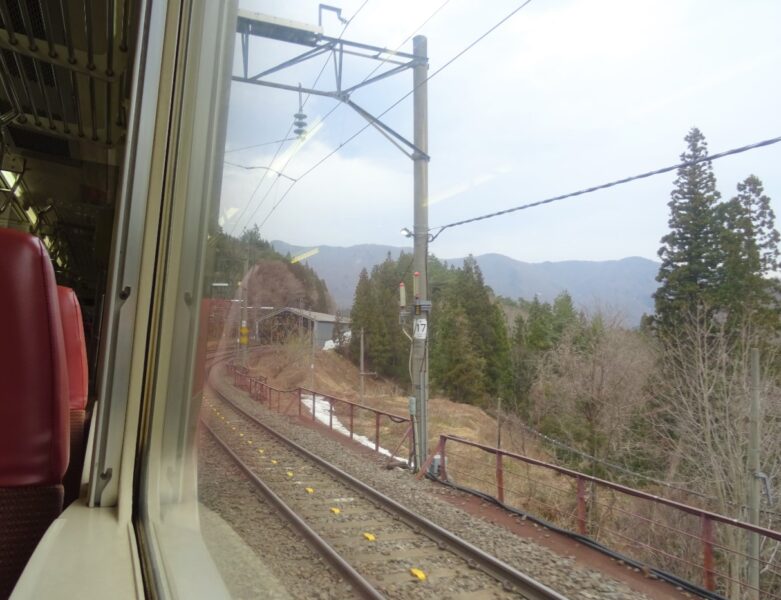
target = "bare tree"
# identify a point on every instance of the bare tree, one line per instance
(592, 385)
(702, 423)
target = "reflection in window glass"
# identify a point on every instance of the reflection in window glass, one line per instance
(323, 295)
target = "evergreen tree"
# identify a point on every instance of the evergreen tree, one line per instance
(690, 252)
(539, 333)
(750, 246)
(486, 326)
(564, 314)
(360, 315)
(456, 367)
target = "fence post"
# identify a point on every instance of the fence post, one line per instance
(707, 554)
(352, 410)
(443, 461)
(581, 506)
(376, 432)
(499, 477)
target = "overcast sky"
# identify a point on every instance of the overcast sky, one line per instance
(565, 95)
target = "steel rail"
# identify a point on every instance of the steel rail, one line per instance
(508, 575)
(355, 579)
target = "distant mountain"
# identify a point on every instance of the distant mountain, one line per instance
(624, 286)
(340, 266)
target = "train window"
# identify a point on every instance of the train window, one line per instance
(287, 137)
(239, 312)
(198, 53)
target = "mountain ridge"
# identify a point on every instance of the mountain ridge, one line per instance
(624, 286)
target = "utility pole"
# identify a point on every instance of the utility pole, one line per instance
(314, 343)
(362, 365)
(244, 329)
(498, 422)
(753, 479)
(421, 236)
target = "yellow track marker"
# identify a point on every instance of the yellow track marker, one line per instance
(241, 434)
(260, 450)
(250, 442)
(290, 473)
(335, 510)
(369, 536)
(234, 428)
(273, 462)
(310, 490)
(418, 573)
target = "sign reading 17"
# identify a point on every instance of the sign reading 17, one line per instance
(420, 331)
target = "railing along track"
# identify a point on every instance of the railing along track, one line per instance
(510, 579)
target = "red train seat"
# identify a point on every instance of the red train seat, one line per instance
(34, 437)
(78, 384)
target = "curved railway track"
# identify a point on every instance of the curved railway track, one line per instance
(383, 549)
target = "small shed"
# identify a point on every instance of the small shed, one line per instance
(277, 325)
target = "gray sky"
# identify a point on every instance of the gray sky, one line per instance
(567, 94)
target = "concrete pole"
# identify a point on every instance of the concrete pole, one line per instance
(420, 256)
(499, 423)
(362, 370)
(753, 478)
(314, 344)
(243, 328)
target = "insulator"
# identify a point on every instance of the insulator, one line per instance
(299, 123)
(299, 131)
(300, 115)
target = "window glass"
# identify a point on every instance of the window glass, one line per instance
(384, 222)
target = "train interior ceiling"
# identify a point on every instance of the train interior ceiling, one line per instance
(64, 73)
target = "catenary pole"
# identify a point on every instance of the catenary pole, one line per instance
(420, 255)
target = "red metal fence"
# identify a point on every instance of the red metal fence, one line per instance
(694, 544)
(364, 423)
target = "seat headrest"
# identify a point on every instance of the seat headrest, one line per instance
(75, 347)
(34, 432)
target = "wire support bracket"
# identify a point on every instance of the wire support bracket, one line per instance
(252, 25)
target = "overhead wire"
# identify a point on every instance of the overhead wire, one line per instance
(400, 100)
(253, 167)
(287, 137)
(768, 142)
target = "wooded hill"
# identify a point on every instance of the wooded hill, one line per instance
(272, 279)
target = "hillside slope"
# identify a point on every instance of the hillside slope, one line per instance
(287, 367)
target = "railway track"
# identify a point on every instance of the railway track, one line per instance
(381, 548)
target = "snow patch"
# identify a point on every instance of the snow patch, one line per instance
(323, 414)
